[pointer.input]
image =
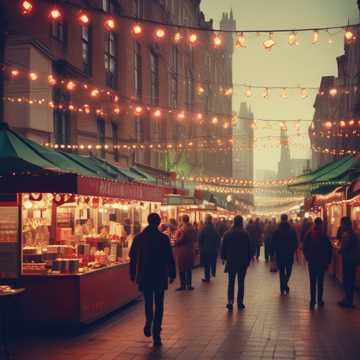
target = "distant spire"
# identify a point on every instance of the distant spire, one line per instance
(232, 14)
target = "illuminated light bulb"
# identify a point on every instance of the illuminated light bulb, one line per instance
(240, 41)
(51, 80)
(138, 110)
(26, 7)
(351, 122)
(269, 43)
(199, 116)
(181, 116)
(333, 92)
(315, 37)
(110, 24)
(217, 41)
(160, 33)
(95, 93)
(70, 85)
(342, 123)
(84, 19)
(71, 107)
(284, 93)
(349, 35)
(328, 124)
(303, 93)
(177, 37)
(28, 204)
(248, 92)
(157, 113)
(137, 29)
(33, 76)
(226, 125)
(55, 14)
(117, 110)
(193, 38)
(15, 72)
(214, 120)
(292, 39)
(229, 92)
(266, 93)
(201, 90)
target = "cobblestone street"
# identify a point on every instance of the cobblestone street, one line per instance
(197, 326)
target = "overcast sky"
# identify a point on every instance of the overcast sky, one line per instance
(284, 65)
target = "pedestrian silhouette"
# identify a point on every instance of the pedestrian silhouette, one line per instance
(209, 242)
(318, 252)
(349, 251)
(184, 241)
(151, 266)
(236, 252)
(284, 245)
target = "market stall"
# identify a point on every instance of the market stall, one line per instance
(66, 225)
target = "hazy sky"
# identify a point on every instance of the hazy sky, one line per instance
(284, 65)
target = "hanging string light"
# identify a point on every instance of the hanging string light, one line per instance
(266, 93)
(193, 38)
(349, 35)
(292, 40)
(284, 93)
(137, 30)
(240, 41)
(217, 41)
(304, 93)
(269, 43)
(248, 92)
(84, 18)
(26, 7)
(315, 37)
(55, 14)
(160, 33)
(110, 24)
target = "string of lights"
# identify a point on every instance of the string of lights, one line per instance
(176, 33)
(334, 151)
(237, 190)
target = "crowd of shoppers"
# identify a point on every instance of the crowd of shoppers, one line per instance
(152, 264)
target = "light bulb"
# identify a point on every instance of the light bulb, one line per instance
(177, 37)
(84, 19)
(110, 24)
(269, 43)
(303, 93)
(315, 37)
(248, 92)
(137, 29)
(240, 41)
(193, 38)
(26, 7)
(284, 93)
(333, 92)
(217, 40)
(55, 14)
(349, 35)
(160, 33)
(292, 40)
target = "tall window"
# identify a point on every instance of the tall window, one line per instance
(110, 59)
(190, 91)
(108, 6)
(100, 122)
(58, 30)
(140, 129)
(174, 77)
(86, 48)
(62, 129)
(115, 139)
(154, 78)
(139, 9)
(137, 71)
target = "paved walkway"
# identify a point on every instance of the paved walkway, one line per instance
(197, 326)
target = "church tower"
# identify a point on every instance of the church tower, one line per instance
(285, 158)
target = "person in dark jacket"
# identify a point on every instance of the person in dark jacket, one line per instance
(318, 253)
(284, 245)
(151, 266)
(209, 242)
(349, 251)
(185, 239)
(237, 253)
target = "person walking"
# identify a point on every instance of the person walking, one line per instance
(349, 251)
(258, 234)
(209, 242)
(184, 242)
(250, 228)
(318, 253)
(270, 228)
(284, 244)
(236, 252)
(151, 266)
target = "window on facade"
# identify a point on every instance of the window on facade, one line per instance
(173, 100)
(139, 9)
(154, 78)
(100, 122)
(137, 71)
(115, 139)
(140, 129)
(190, 92)
(86, 48)
(108, 6)
(110, 59)
(62, 126)
(58, 30)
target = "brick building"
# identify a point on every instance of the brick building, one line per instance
(338, 107)
(136, 69)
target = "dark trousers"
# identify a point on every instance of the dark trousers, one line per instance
(241, 286)
(285, 269)
(349, 276)
(209, 262)
(257, 250)
(186, 278)
(267, 251)
(316, 275)
(151, 297)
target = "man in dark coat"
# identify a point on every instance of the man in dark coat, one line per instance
(237, 253)
(284, 245)
(209, 242)
(318, 253)
(349, 251)
(151, 266)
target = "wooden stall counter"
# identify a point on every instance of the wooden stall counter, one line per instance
(77, 299)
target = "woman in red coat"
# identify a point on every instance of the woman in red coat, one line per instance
(184, 243)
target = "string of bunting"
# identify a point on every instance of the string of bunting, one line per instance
(189, 35)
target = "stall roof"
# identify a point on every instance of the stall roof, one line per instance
(17, 154)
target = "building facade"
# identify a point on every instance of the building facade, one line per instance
(334, 130)
(243, 148)
(137, 72)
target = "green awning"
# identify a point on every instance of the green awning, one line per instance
(17, 154)
(147, 177)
